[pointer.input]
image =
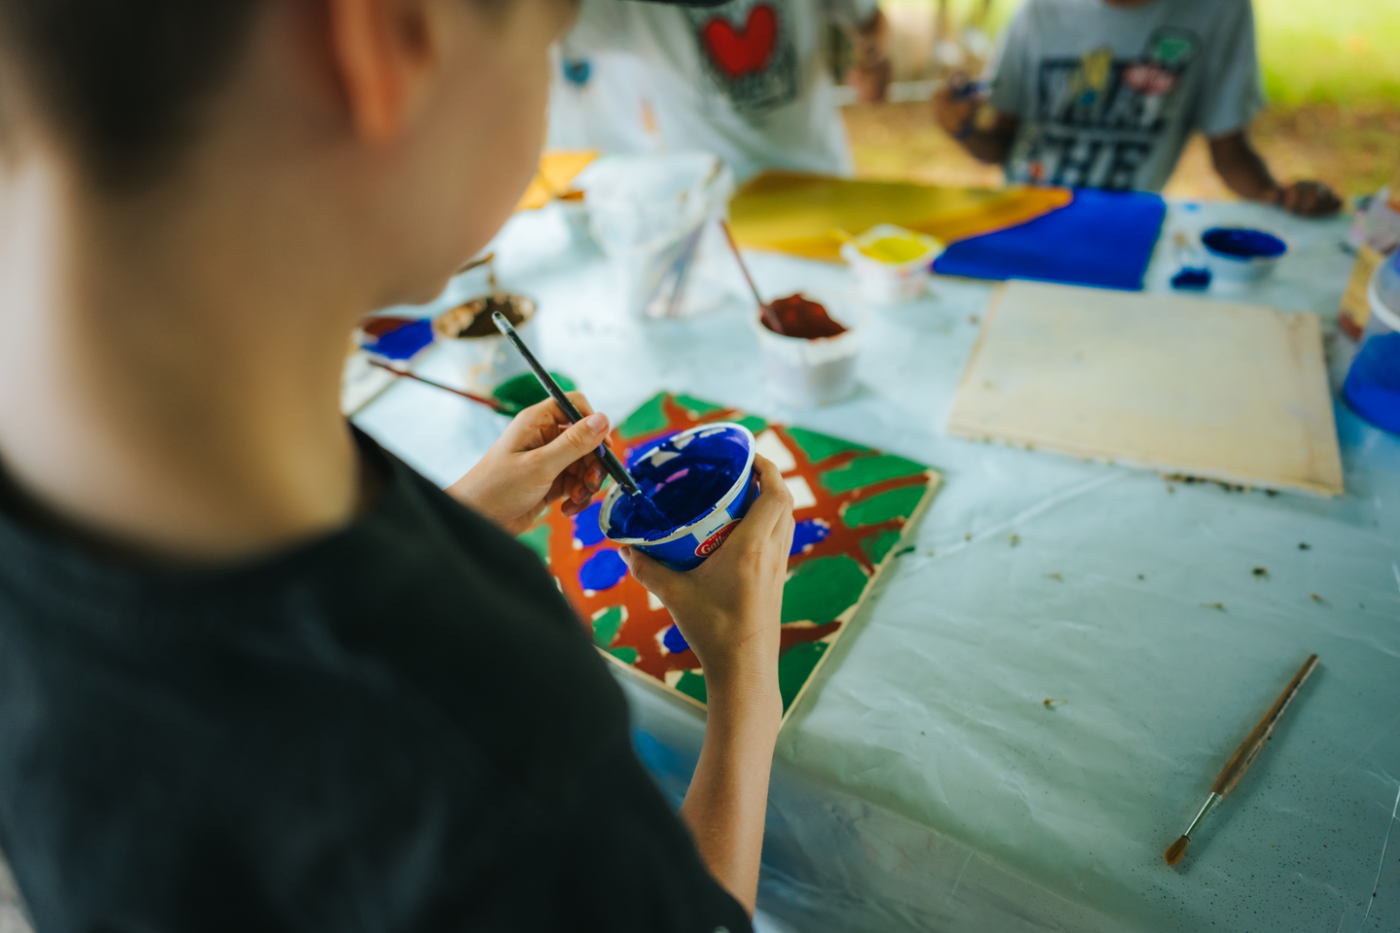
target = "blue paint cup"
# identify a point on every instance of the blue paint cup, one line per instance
(1239, 255)
(704, 476)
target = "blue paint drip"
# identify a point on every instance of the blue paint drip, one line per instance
(1191, 278)
(603, 571)
(1373, 383)
(587, 531)
(680, 484)
(402, 343)
(1243, 243)
(577, 72)
(674, 641)
(809, 533)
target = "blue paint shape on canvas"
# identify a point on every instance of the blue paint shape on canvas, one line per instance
(402, 343)
(674, 641)
(1101, 238)
(809, 533)
(587, 531)
(1243, 243)
(603, 571)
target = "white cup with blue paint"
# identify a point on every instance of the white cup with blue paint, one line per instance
(1239, 256)
(699, 483)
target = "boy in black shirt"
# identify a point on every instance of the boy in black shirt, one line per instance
(256, 674)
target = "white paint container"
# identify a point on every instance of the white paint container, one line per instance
(487, 360)
(889, 283)
(812, 373)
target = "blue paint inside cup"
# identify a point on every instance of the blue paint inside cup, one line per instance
(695, 487)
(1372, 386)
(1243, 243)
(680, 483)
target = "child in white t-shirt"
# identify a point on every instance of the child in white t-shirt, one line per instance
(747, 79)
(1105, 93)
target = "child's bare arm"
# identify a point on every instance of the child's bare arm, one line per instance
(869, 74)
(985, 133)
(1244, 172)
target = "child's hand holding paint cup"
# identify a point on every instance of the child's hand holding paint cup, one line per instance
(540, 459)
(730, 607)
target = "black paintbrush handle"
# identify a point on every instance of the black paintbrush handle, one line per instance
(609, 459)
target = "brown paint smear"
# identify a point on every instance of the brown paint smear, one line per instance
(795, 316)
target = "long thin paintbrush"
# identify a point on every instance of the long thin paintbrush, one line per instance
(765, 310)
(1244, 757)
(491, 403)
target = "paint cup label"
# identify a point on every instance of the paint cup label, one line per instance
(712, 543)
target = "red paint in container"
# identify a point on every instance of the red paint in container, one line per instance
(801, 318)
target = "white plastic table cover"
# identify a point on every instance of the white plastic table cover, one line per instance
(923, 784)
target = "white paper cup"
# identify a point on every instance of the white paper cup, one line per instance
(488, 360)
(812, 373)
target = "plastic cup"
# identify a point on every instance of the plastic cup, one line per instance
(812, 373)
(1372, 386)
(689, 545)
(888, 283)
(487, 360)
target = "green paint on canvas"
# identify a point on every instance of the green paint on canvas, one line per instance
(625, 655)
(866, 471)
(650, 417)
(697, 406)
(693, 685)
(818, 447)
(877, 546)
(820, 590)
(755, 424)
(537, 540)
(796, 667)
(525, 390)
(897, 503)
(606, 625)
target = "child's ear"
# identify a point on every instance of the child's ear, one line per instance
(384, 52)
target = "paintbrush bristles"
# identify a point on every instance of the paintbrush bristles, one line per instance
(1177, 850)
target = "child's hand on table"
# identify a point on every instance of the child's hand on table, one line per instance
(954, 107)
(729, 608)
(1306, 199)
(539, 460)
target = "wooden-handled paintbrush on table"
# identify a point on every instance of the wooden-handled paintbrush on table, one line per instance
(1244, 757)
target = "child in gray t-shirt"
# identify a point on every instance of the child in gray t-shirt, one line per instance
(1105, 93)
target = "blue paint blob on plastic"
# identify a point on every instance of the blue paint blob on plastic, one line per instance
(1372, 388)
(587, 531)
(679, 483)
(809, 533)
(577, 72)
(1243, 243)
(604, 570)
(674, 641)
(402, 343)
(1191, 278)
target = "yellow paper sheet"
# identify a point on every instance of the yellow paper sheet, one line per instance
(795, 213)
(556, 176)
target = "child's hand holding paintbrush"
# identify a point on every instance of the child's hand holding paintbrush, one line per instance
(539, 460)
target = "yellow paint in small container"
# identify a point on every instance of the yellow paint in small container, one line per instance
(891, 264)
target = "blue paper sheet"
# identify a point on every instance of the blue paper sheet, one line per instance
(1101, 238)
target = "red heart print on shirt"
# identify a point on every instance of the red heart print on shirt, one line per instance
(738, 52)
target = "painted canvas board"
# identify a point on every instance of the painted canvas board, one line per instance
(1218, 390)
(853, 506)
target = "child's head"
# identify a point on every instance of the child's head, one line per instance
(418, 122)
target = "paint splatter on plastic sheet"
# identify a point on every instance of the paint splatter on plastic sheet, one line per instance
(854, 505)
